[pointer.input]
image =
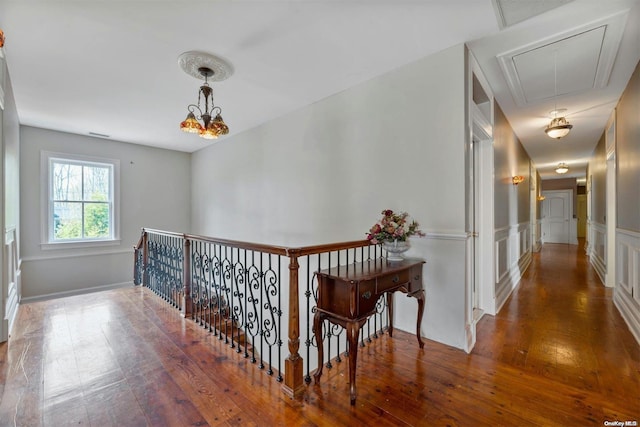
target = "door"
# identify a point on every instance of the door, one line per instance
(582, 215)
(556, 216)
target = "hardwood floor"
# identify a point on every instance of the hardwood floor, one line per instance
(557, 354)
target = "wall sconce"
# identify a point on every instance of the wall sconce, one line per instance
(540, 198)
(517, 179)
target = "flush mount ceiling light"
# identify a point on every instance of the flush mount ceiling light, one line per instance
(559, 126)
(208, 68)
(562, 168)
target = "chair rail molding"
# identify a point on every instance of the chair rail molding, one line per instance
(513, 256)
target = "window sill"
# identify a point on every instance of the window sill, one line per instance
(79, 244)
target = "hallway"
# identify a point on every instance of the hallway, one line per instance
(557, 354)
(561, 324)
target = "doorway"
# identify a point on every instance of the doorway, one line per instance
(557, 208)
(581, 211)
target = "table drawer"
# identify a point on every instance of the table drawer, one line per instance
(367, 296)
(392, 280)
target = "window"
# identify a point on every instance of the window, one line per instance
(81, 200)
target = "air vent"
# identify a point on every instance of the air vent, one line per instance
(101, 135)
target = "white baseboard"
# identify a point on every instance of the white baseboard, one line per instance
(26, 300)
(510, 281)
(630, 314)
(470, 334)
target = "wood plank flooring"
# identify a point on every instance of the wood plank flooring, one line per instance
(557, 354)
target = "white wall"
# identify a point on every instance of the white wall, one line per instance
(324, 173)
(627, 239)
(155, 191)
(9, 217)
(512, 233)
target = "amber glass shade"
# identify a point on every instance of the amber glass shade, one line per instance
(190, 124)
(209, 132)
(219, 125)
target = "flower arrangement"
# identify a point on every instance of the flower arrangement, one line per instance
(393, 226)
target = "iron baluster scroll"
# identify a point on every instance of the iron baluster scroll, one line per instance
(236, 295)
(164, 267)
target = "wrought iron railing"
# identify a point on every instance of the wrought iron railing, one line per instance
(239, 292)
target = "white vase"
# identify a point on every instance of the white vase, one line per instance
(395, 249)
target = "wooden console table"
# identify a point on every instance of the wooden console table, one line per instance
(348, 294)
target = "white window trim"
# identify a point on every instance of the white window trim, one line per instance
(45, 244)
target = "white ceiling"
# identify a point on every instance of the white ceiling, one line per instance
(110, 67)
(597, 45)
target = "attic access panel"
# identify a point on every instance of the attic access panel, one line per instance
(574, 60)
(584, 58)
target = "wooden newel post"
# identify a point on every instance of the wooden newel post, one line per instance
(145, 258)
(186, 279)
(293, 380)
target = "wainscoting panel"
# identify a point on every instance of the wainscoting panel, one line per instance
(597, 249)
(538, 236)
(12, 275)
(513, 256)
(502, 253)
(627, 291)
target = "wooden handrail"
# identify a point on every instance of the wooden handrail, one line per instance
(330, 247)
(259, 247)
(271, 249)
(139, 244)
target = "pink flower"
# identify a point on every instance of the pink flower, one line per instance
(393, 226)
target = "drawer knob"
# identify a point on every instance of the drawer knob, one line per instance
(366, 295)
(395, 279)
(417, 277)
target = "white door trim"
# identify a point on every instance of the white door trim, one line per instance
(610, 202)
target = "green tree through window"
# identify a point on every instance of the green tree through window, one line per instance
(81, 200)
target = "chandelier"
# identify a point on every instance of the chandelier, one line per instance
(562, 168)
(559, 126)
(209, 129)
(204, 118)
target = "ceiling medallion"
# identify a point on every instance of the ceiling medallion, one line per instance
(191, 62)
